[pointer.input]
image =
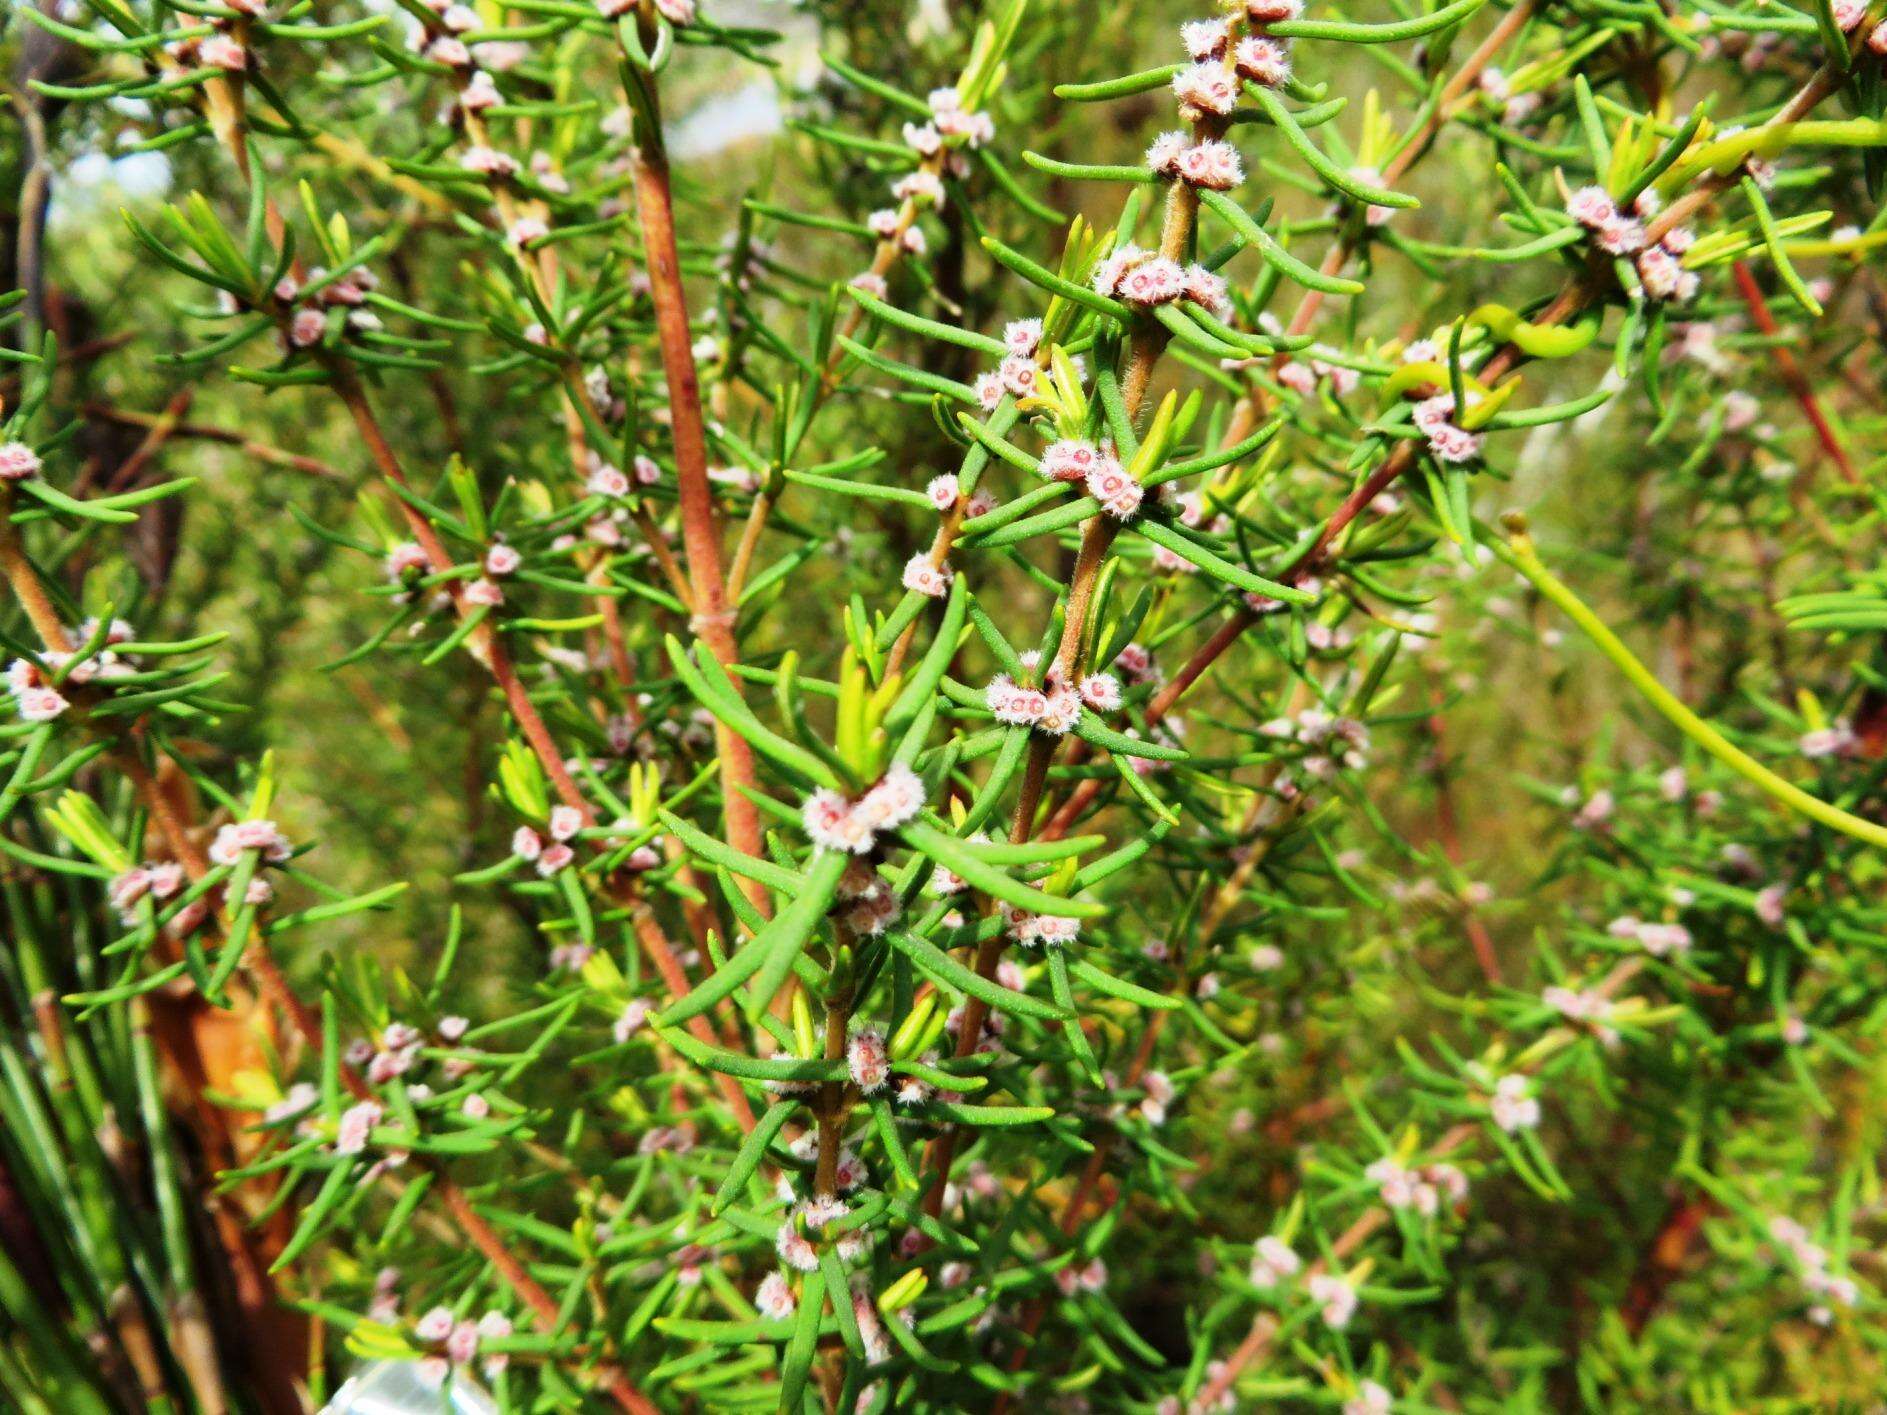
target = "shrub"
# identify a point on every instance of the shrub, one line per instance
(964, 654)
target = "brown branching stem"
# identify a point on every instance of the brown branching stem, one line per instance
(713, 615)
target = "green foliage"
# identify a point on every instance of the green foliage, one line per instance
(896, 836)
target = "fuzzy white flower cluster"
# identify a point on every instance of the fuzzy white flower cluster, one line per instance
(1273, 1261)
(1039, 930)
(1145, 278)
(1513, 1105)
(834, 823)
(1659, 940)
(1811, 1260)
(1619, 233)
(1420, 1188)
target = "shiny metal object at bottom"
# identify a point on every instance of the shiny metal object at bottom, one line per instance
(397, 1388)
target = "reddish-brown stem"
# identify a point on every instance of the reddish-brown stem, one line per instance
(712, 617)
(1790, 372)
(1664, 1258)
(544, 1310)
(261, 451)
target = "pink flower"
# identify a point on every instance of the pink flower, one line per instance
(1205, 39)
(974, 128)
(489, 162)
(261, 835)
(1343, 381)
(794, 1249)
(220, 51)
(1836, 740)
(1622, 235)
(403, 559)
(1070, 460)
(989, 390)
(1453, 444)
(921, 185)
(1273, 1260)
(1299, 378)
(40, 704)
(1849, 14)
(676, 12)
(306, 328)
(926, 578)
(1022, 336)
(1768, 905)
(495, 1326)
(484, 593)
(1214, 165)
(1117, 491)
(1336, 1298)
(1597, 810)
(867, 1061)
(833, 823)
(923, 138)
(609, 481)
(1163, 155)
(1512, 1108)
(527, 229)
(565, 821)
(1658, 270)
(1136, 663)
(480, 93)
(774, 1298)
(1061, 711)
(942, 491)
(1205, 88)
(895, 799)
(630, 1021)
(1591, 207)
(1019, 375)
(1208, 291)
(1101, 691)
(1112, 269)
(17, 461)
(128, 888)
(1014, 704)
(502, 559)
(350, 1136)
(1263, 61)
(1447, 441)
(475, 1107)
(1153, 282)
(1271, 12)
(555, 858)
(436, 1325)
(1661, 939)
(526, 844)
(449, 51)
